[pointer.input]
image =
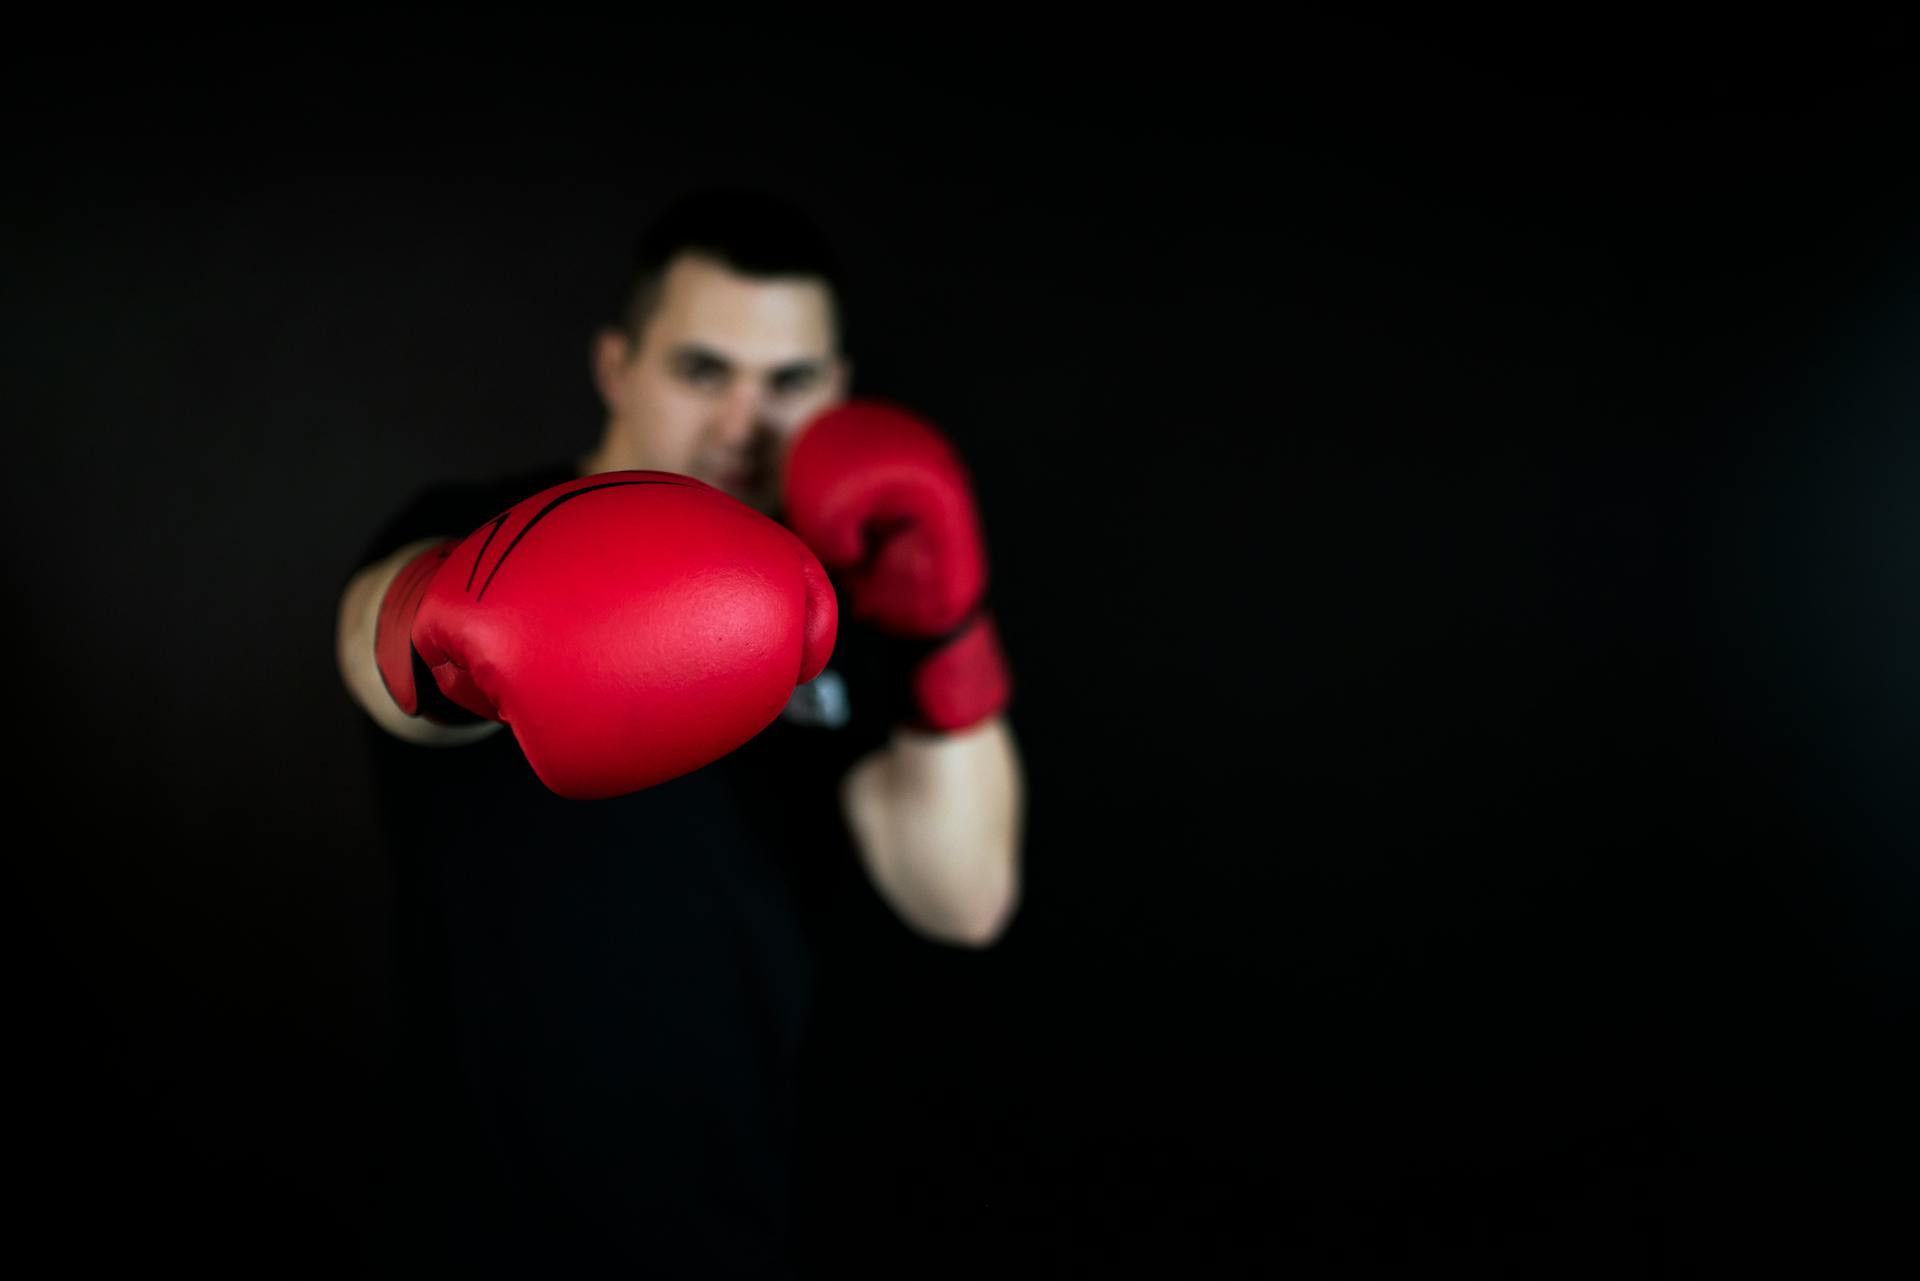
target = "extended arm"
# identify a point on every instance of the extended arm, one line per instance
(636, 636)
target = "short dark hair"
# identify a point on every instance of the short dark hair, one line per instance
(753, 232)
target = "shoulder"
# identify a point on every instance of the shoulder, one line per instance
(455, 507)
(482, 499)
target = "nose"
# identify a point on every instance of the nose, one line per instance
(738, 416)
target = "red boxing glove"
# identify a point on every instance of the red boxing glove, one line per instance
(630, 626)
(884, 500)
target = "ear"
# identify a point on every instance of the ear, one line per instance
(608, 357)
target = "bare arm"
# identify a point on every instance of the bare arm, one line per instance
(938, 820)
(353, 647)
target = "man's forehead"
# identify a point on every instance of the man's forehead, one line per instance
(750, 321)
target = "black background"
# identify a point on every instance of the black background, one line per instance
(1451, 494)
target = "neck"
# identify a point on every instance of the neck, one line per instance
(598, 460)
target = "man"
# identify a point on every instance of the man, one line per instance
(606, 998)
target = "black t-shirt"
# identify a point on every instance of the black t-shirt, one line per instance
(604, 1001)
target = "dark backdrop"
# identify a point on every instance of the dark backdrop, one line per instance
(1451, 495)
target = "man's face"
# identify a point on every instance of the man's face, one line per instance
(728, 368)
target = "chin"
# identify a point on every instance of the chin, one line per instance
(759, 499)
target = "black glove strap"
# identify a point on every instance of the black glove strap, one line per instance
(899, 657)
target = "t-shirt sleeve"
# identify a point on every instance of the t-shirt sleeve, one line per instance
(449, 510)
(430, 512)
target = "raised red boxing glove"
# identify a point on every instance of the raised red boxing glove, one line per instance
(887, 504)
(629, 626)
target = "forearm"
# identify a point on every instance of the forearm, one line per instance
(354, 653)
(938, 820)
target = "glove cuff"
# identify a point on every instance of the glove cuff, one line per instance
(950, 683)
(405, 674)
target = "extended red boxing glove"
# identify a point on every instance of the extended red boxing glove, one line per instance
(885, 501)
(629, 626)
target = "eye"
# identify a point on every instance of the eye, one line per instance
(794, 380)
(703, 373)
